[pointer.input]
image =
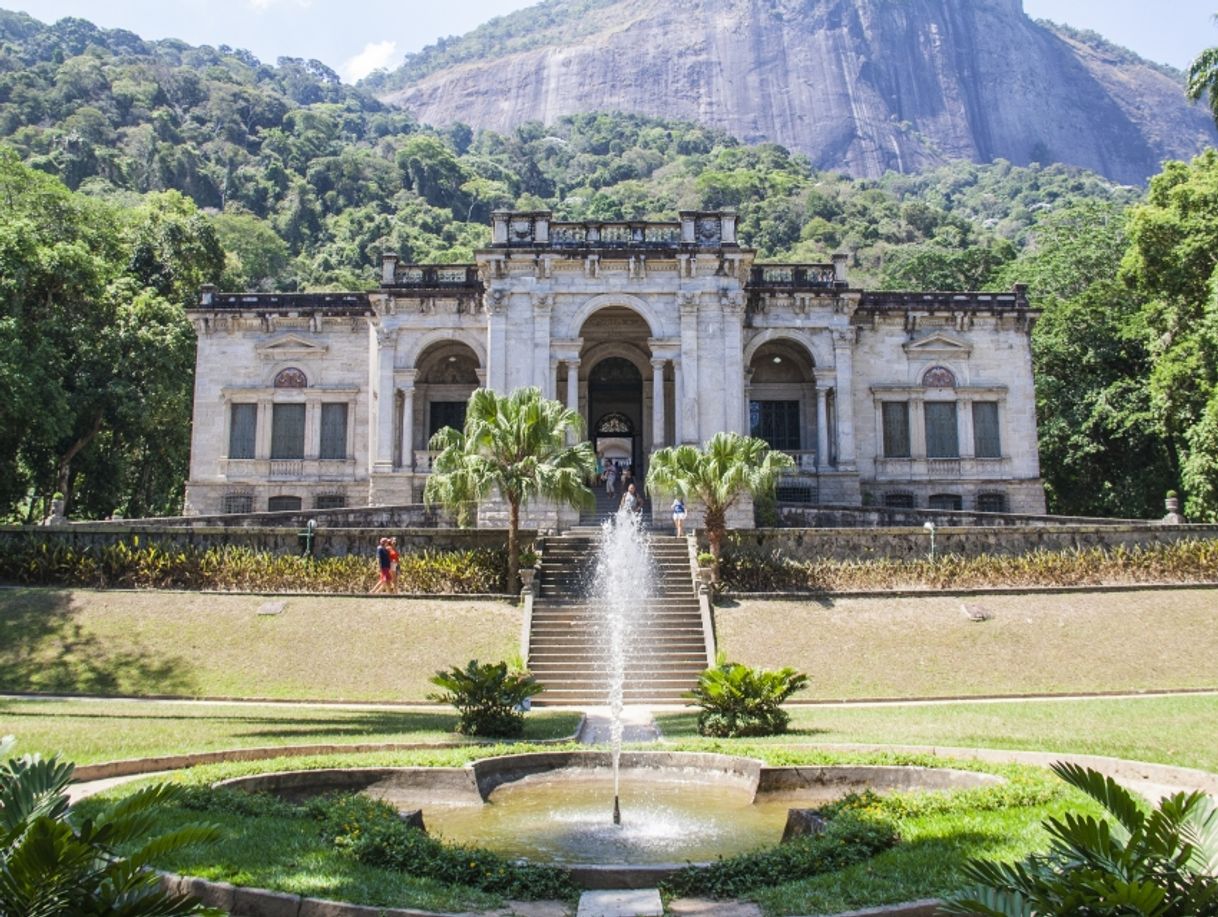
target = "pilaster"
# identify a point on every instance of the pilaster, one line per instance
(688, 411)
(843, 354)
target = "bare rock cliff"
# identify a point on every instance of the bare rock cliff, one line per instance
(859, 85)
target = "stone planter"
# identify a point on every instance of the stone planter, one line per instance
(706, 576)
(526, 577)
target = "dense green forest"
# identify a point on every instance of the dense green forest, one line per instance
(137, 170)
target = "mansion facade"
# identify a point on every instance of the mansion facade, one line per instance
(657, 333)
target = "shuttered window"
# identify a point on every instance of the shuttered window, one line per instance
(941, 438)
(896, 429)
(986, 443)
(287, 431)
(242, 430)
(776, 422)
(333, 431)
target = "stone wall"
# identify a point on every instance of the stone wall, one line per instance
(849, 517)
(406, 515)
(914, 543)
(329, 542)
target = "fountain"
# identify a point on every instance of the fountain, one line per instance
(681, 808)
(624, 575)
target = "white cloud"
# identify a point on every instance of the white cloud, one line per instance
(267, 4)
(376, 54)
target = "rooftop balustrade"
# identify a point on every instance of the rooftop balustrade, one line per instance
(355, 303)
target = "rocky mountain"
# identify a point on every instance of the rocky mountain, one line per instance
(859, 85)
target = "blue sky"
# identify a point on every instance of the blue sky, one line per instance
(353, 36)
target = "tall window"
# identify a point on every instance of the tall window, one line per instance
(333, 432)
(242, 430)
(941, 438)
(777, 422)
(447, 414)
(986, 443)
(896, 428)
(287, 431)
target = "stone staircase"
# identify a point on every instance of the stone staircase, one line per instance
(666, 651)
(605, 507)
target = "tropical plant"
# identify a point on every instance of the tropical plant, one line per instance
(738, 700)
(1161, 864)
(515, 444)
(1203, 79)
(52, 865)
(489, 697)
(729, 467)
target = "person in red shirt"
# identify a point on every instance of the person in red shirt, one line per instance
(394, 557)
(384, 563)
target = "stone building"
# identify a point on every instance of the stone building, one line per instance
(659, 333)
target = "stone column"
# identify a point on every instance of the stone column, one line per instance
(843, 353)
(572, 392)
(542, 306)
(406, 379)
(687, 412)
(496, 334)
(678, 416)
(657, 403)
(386, 346)
(964, 428)
(746, 419)
(822, 421)
(733, 362)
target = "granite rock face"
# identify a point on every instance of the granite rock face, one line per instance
(859, 85)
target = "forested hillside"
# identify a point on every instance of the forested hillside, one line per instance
(290, 180)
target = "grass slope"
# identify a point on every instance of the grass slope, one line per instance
(1168, 730)
(926, 646)
(143, 643)
(88, 731)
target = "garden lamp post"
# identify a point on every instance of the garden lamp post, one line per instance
(930, 528)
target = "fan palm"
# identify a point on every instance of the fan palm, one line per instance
(55, 865)
(1203, 79)
(730, 466)
(1157, 864)
(516, 444)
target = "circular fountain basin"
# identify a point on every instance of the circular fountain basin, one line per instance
(676, 808)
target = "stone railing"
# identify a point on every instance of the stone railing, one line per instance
(210, 299)
(1014, 301)
(288, 469)
(615, 235)
(440, 277)
(787, 277)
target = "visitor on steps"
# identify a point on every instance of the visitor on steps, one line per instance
(678, 516)
(610, 478)
(630, 500)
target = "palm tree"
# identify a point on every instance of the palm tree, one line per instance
(53, 863)
(1203, 78)
(516, 444)
(730, 466)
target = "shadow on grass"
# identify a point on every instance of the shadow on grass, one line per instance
(44, 649)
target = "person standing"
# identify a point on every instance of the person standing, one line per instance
(610, 478)
(394, 560)
(384, 566)
(630, 499)
(678, 516)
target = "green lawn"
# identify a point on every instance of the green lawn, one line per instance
(1176, 730)
(87, 731)
(79, 641)
(926, 646)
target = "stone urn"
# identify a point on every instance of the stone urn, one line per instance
(706, 576)
(1172, 504)
(57, 516)
(526, 578)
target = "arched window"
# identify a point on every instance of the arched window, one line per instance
(615, 424)
(291, 378)
(939, 377)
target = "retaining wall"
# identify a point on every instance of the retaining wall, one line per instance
(914, 543)
(328, 542)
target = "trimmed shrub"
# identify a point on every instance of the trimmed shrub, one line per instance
(130, 565)
(737, 700)
(489, 698)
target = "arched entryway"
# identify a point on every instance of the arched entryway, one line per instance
(783, 407)
(445, 375)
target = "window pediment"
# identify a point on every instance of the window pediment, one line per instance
(939, 346)
(291, 347)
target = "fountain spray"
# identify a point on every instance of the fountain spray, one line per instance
(623, 582)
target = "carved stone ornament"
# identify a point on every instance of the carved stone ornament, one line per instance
(939, 377)
(709, 231)
(521, 230)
